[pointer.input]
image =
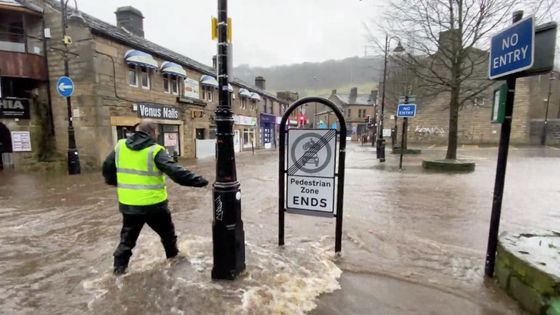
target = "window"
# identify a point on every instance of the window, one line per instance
(243, 103)
(209, 94)
(166, 83)
(175, 85)
(265, 105)
(145, 78)
(349, 112)
(132, 76)
(170, 84)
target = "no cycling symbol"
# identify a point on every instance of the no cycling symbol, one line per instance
(311, 152)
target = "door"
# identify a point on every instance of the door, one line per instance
(5, 147)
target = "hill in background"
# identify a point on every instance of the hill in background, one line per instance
(319, 78)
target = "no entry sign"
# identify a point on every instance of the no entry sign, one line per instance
(311, 170)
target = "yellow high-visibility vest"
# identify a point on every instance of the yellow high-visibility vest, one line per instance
(139, 181)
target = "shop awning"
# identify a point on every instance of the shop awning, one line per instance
(255, 97)
(245, 93)
(172, 68)
(209, 81)
(140, 58)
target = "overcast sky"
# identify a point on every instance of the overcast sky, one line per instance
(265, 32)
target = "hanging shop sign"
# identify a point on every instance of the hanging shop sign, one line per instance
(157, 111)
(11, 107)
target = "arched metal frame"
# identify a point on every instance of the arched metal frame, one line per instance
(340, 174)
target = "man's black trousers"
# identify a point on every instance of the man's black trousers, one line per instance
(159, 220)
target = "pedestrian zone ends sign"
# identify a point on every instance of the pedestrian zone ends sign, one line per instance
(311, 165)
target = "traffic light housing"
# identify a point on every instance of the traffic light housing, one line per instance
(301, 119)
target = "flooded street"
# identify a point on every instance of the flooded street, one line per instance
(413, 242)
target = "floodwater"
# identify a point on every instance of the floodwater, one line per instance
(413, 242)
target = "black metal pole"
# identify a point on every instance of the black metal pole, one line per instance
(545, 125)
(501, 172)
(228, 237)
(405, 126)
(380, 140)
(340, 190)
(73, 156)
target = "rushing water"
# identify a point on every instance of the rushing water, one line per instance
(413, 242)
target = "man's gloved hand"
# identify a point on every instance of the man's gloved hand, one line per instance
(200, 182)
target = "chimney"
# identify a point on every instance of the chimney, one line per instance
(333, 92)
(448, 39)
(131, 19)
(260, 82)
(353, 95)
(215, 62)
(373, 97)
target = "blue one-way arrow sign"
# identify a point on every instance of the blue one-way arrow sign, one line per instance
(513, 49)
(65, 86)
(406, 110)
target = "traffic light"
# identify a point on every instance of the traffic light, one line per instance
(301, 119)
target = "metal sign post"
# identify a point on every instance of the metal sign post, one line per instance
(405, 110)
(513, 54)
(308, 163)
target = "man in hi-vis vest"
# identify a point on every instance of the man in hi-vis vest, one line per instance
(137, 167)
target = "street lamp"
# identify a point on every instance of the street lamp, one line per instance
(543, 135)
(73, 156)
(380, 140)
(228, 237)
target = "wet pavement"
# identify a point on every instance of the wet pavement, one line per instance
(414, 242)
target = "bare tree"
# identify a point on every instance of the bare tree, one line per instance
(446, 46)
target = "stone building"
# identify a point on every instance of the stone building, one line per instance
(121, 77)
(431, 124)
(357, 109)
(26, 127)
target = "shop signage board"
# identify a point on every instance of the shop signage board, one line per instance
(191, 88)
(156, 111)
(12, 107)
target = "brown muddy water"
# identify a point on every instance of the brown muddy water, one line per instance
(413, 242)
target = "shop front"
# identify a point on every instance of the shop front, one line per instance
(15, 135)
(245, 132)
(267, 130)
(169, 120)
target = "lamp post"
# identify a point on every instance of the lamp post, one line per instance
(380, 140)
(228, 236)
(543, 135)
(73, 156)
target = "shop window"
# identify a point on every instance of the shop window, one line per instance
(200, 133)
(16, 87)
(132, 76)
(124, 132)
(212, 132)
(248, 138)
(169, 138)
